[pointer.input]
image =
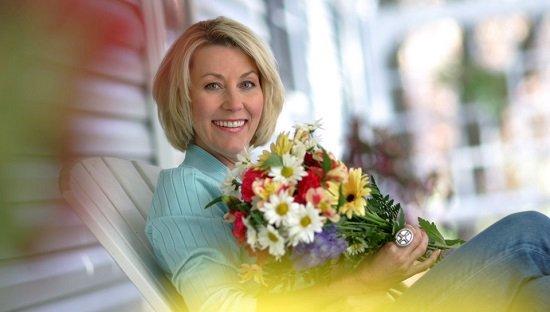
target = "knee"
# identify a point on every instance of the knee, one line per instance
(527, 225)
(527, 220)
(526, 229)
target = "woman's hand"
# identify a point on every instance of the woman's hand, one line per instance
(393, 264)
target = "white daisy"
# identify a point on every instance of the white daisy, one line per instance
(305, 222)
(251, 234)
(232, 181)
(243, 161)
(299, 150)
(291, 171)
(305, 134)
(269, 237)
(309, 127)
(230, 186)
(355, 249)
(279, 209)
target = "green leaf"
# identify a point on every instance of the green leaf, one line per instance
(374, 186)
(257, 218)
(433, 233)
(326, 161)
(215, 201)
(400, 221)
(236, 184)
(341, 199)
(274, 160)
(382, 205)
(374, 218)
(453, 242)
(232, 202)
(241, 206)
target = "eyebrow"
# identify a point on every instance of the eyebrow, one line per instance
(221, 77)
(248, 73)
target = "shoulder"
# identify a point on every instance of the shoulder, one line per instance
(183, 190)
(185, 178)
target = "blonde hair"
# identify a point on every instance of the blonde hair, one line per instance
(172, 81)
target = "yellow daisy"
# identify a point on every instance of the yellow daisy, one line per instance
(253, 272)
(338, 173)
(282, 145)
(354, 191)
(264, 156)
(265, 188)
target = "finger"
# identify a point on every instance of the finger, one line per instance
(415, 242)
(426, 264)
(418, 237)
(421, 247)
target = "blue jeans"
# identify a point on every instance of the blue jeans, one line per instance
(504, 268)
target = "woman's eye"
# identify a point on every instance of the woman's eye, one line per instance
(247, 84)
(213, 86)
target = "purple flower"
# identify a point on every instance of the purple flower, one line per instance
(325, 246)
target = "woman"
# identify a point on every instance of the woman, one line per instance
(218, 92)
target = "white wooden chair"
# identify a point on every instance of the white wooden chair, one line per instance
(112, 197)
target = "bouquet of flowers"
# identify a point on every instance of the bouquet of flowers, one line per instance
(304, 215)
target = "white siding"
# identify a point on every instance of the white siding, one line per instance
(252, 13)
(62, 267)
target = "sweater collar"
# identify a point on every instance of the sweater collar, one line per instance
(202, 160)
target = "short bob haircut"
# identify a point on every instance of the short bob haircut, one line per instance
(172, 81)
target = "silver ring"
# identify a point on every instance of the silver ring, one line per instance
(404, 237)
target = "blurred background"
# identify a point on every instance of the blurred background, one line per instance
(446, 102)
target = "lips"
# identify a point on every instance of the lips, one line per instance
(236, 123)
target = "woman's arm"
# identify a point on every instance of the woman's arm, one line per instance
(204, 275)
(315, 298)
(393, 264)
(388, 267)
(194, 245)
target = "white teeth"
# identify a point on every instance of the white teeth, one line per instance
(229, 124)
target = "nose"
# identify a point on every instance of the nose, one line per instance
(233, 100)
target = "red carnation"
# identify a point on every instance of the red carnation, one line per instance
(249, 177)
(310, 161)
(311, 180)
(320, 173)
(239, 229)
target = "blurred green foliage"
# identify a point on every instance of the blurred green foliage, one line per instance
(33, 93)
(478, 85)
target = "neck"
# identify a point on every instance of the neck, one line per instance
(227, 160)
(230, 163)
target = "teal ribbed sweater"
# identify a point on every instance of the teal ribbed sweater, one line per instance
(192, 244)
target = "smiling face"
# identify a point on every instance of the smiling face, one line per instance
(226, 100)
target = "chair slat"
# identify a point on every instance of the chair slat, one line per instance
(132, 182)
(121, 207)
(149, 173)
(105, 207)
(115, 235)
